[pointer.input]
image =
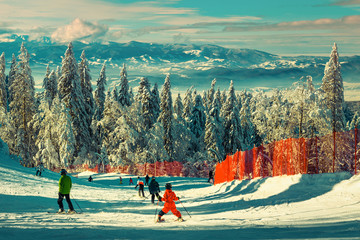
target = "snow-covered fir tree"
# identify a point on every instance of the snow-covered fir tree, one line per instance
(46, 77)
(50, 87)
(124, 95)
(198, 118)
(188, 105)
(71, 95)
(11, 77)
(86, 88)
(100, 93)
(178, 107)
(210, 95)
(332, 85)
(214, 130)
(155, 98)
(144, 84)
(147, 109)
(247, 127)
(232, 126)
(166, 116)
(23, 107)
(3, 92)
(56, 140)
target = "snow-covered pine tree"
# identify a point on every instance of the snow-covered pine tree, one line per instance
(53, 86)
(50, 86)
(166, 116)
(210, 95)
(260, 106)
(178, 107)
(55, 141)
(144, 84)
(155, 98)
(46, 77)
(23, 107)
(124, 95)
(86, 88)
(3, 93)
(232, 126)
(100, 93)
(198, 118)
(214, 130)
(147, 109)
(332, 85)
(276, 117)
(11, 77)
(7, 131)
(71, 95)
(188, 105)
(58, 73)
(247, 127)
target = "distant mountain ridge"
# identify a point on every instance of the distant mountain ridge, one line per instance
(189, 64)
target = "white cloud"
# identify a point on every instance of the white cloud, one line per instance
(79, 30)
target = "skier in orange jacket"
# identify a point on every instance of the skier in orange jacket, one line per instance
(169, 198)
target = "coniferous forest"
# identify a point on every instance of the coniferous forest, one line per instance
(69, 123)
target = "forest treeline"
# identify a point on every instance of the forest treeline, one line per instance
(68, 123)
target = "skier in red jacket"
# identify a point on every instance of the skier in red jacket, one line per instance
(169, 198)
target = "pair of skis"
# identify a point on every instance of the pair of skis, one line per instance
(163, 220)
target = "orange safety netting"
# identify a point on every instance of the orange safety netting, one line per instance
(334, 152)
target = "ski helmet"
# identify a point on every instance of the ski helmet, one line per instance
(168, 186)
(63, 171)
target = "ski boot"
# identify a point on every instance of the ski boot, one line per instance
(71, 211)
(160, 219)
(180, 219)
(61, 211)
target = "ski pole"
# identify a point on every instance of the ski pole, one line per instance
(76, 203)
(156, 208)
(185, 208)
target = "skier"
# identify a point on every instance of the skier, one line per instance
(90, 179)
(154, 189)
(140, 183)
(39, 169)
(120, 180)
(147, 178)
(169, 198)
(211, 176)
(64, 191)
(130, 181)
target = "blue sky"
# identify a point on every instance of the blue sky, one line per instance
(284, 27)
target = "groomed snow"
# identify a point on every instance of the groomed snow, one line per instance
(323, 206)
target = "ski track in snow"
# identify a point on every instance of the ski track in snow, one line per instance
(325, 206)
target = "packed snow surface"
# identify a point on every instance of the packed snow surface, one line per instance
(325, 206)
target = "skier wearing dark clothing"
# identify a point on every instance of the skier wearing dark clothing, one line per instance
(140, 183)
(154, 189)
(169, 198)
(211, 176)
(147, 178)
(65, 185)
(90, 179)
(39, 169)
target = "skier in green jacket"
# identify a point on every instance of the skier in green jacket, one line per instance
(64, 191)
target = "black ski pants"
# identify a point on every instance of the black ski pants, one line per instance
(153, 196)
(60, 201)
(141, 190)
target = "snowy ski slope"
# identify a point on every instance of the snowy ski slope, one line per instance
(323, 206)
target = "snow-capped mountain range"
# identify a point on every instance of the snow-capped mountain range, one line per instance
(189, 65)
